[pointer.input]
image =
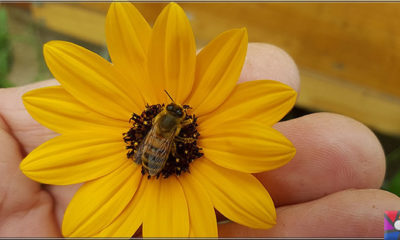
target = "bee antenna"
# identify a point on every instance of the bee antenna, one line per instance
(169, 95)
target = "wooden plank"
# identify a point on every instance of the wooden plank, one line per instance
(72, 20)
(373, 108)
(350, 52)
(362, 48)
(355, 42)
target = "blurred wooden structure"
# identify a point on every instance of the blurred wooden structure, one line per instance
(348, 53)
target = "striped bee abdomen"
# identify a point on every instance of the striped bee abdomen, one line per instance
(151, 158)
(155, 154)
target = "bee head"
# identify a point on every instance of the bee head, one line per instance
(176, 110)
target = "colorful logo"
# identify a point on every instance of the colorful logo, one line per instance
(392, 225)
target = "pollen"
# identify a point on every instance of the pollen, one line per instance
(179, 159)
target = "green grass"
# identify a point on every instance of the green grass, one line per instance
(392, 181)
(5, 50)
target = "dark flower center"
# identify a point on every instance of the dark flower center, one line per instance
(172, 154)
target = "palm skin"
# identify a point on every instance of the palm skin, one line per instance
(330, 188)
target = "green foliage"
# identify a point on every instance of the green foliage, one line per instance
(393, 184)
(4, 49)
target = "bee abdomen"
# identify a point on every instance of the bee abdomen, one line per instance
(152, 161)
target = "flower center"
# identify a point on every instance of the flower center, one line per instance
(163, 140)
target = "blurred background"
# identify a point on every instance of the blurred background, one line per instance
(348, 54)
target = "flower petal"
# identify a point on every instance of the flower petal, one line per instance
(166, 209)
(172, 55)
(128, 36)
(218, 68)
(127, 223)
(238, 196)
(92, 80)
(245, 146)
(76, 157)
(56, 109)
(265, 101)
(97, 203)
(203, 222)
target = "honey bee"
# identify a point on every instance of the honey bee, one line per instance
(153, 152)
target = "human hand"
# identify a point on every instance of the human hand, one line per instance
(329, 189)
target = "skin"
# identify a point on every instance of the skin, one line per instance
(329, 189)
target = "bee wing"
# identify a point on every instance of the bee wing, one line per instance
(154, 151)
(142, 147)
(160, 153)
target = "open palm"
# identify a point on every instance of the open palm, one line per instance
(330, 188)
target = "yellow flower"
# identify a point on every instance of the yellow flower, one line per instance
(92, 109)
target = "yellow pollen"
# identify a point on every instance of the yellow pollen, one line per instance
(135, 144)
(145, 122)
(177, 160)
(186, 152)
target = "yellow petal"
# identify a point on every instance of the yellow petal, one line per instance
(126, 224)
(172, 55)
(128, 36)
(56, 109)
(218, 68)
(166, 209)
(203, 222)
(238, 196)
(265, 101)
(76, 157)
(92, 80)
(97, 203)
(245, 146)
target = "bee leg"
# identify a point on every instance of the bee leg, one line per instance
(184, 140)
(173, 149)
(187, 122)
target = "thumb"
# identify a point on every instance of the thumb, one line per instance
(22, 126)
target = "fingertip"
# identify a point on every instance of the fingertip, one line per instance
(266, 61)
(350, 213)
(358, 150)
(336, 151)
(346, 146)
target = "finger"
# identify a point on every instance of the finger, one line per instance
(31, 134)
(265, 61)
(336, 151)
(333, 153)
(351, 213)
(62, 195)
(25, 129)
(25, 210)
